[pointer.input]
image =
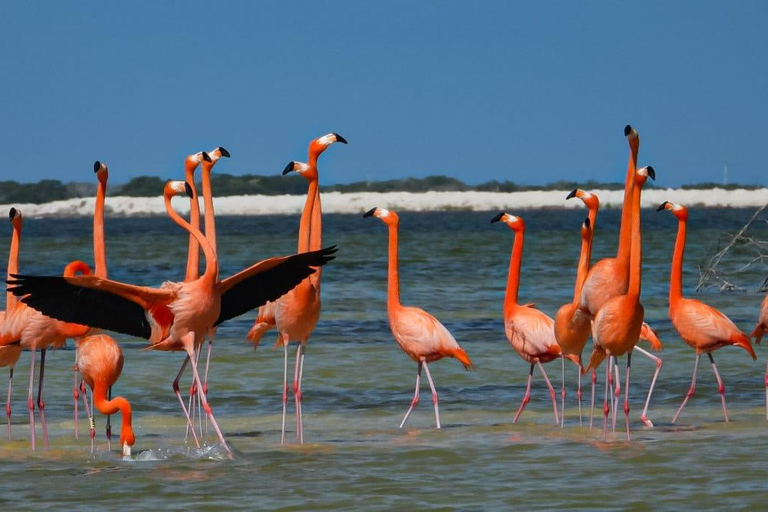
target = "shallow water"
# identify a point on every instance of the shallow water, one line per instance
(358, 384)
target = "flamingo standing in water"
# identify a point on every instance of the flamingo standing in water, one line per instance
(421, 336)
(760, 329)
(177, 314)
(702, 327)
(609, 278)
(296, 313)
(617, 325)
(530, 332)
(9, 354)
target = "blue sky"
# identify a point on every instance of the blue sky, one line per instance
(529, 92)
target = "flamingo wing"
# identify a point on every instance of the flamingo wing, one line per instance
(267, 280)
(531, 331)
(93, 301)
(702, 324)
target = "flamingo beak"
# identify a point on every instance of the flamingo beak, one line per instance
(206, 157)
(96, 166)
(339, 138)
(188, 190)
(126, 451)
(497, 218)
(651, 173)
(223, 152)
(12, 213)
(572, 194)
(370, 212)
(289, 168)
(662, 206)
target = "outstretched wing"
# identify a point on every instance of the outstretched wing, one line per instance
(91, 301)
(267, 280)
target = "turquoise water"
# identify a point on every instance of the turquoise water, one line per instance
(358, 383)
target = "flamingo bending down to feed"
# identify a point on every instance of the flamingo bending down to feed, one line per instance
(760, 329)
(296, 313)
(617, 326)
(702, 327)
(9, 354)
(100, 362)
(176, 314)
(609, 278)
(530, 332)
(421, 336)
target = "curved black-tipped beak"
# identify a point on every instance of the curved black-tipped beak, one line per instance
(12, 213)
(339, 138)
(587, 223)
(188, 189)
(223, 151)
(206, 157)
(288, 168)
(96, 166)
(662, 206)
(497, 218)
(627, 130)
(651, 173)
(572, 194)
(369, 213)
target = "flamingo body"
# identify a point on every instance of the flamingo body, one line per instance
(422, 337)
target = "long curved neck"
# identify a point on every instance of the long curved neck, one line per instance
(622, 253)
(393, 275)
(676, 277)
(513, 280)
(583, 268)
(210, 221)
(305, 224)
(107, 407)
(592, 215)
(211, 261)
(99, 248)
(13, 266)
(635, 262)
(193, 254)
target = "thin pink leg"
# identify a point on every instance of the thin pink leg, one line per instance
(175, 385)
(199, 402)
(296, 398)
(76, 394)
(108, 427)
(626, 393)
(552, 394)
(720, 385)
(592, 408)
(285, 390)
(616, 392)
(691, 390)
(415, 400)
(91, 422)
(31, 397)
(301, 378)
(562, 394)
(657, 361)
(434, 394)
(578, 396)
(206, 406)
(606, 409)
(205, 380)
(527, 397)
(8, 403)
(40, 403)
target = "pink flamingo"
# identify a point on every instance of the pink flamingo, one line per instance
(760, 329)
(9, 354)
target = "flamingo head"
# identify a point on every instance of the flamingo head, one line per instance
(514, 222)
(192, 161)
(102, 171)
(14, 214)
(127, 439)
(633, 139)
(306, 170)
(586, 229)
(214, 156)
(589, 199)
(642, 175)
(75, 267)
(177, 188)
(678, 210)
(388, 217)
(320, 144)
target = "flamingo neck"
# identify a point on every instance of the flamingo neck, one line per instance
(117, 404)
(635, 263)
(583, 267)
(193, 253)
(305, 224)
(393, 275)
(592, 214)
(210, 221)
(99, 248)
(513, 280)
(676, 277)
(622, 253)
(13, 266)
(211, 261)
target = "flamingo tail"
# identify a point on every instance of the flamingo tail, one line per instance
(598, 354)
(649, 335)
(743, 341)
(462, 356)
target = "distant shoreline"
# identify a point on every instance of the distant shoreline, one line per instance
(359, 202)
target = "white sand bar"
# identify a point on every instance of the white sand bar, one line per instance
(359, 202)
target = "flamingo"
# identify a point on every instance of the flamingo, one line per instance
(296, 313)
(609, 277)
(420, 335)
(176, 314)
(760, 329)
(100, 362)
(702, 327)
(573, 325)
(617, 325)
(9, 354)
(530, 332)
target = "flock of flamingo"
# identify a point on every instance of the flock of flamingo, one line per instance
(42, 312)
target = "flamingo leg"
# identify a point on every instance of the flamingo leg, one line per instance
(31, 397)
(657, 361)
(175, 385)
(8, 403)
(203, 398)
(415, 396)
(562, 394)
(616, 392)
(606, 409)
(76, 394)
(552, 394)
(592, 408)
(108, 428)
(526, 397)
(199, 402)
(691, 390)
(91, 422)
(578, 396)
(205, 377)
(296, 387)
(434, 394)
(40, 403)
(720, 385)
(301, 377)
(626, 393)
(285, 391)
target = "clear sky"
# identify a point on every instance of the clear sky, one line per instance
(526, 91)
